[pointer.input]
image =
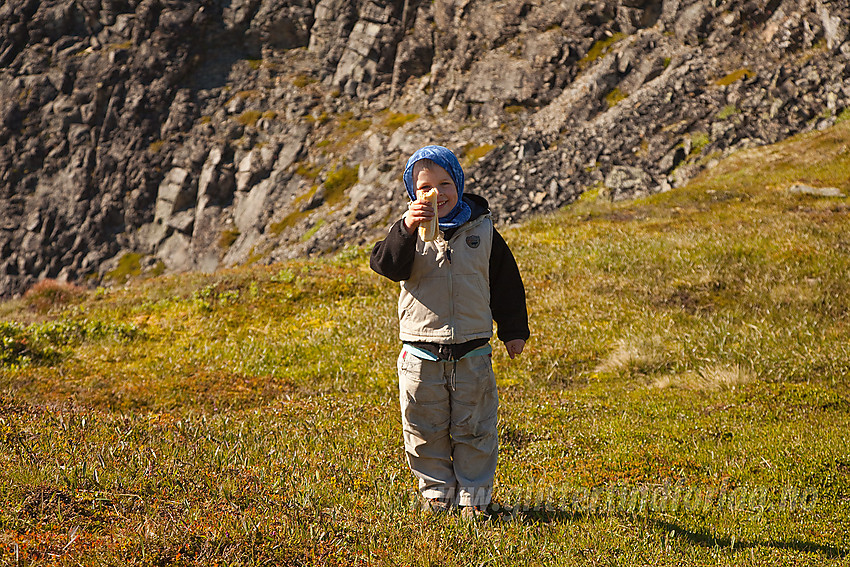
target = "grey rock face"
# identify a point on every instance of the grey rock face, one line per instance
(205, 133)
(624, 182)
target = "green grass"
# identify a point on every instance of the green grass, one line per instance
(683, 401)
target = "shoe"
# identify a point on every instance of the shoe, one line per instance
(435, 506)
(487, 513)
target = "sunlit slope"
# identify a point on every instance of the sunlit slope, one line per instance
(688, 366)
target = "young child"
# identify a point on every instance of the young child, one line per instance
(452, 289)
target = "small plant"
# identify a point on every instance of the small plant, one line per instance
(734, 76)
(13, 345)
(322, 118)
(302, 81)
(355, 126)
(158, 269)
(129, 266)
(727, 112)
(284, 275)
(348, 254)
(600, 49)
(396, 120)
(249, 117)
(204, 298)
(615, 96)
(313, 230)
(339, 181)
(348, 128)
(288, 221)
(699, 140)
(228, 297)
(472, 154)
(123, 45)
(308, 170)
(228, 237)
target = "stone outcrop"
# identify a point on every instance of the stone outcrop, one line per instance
(201, 134)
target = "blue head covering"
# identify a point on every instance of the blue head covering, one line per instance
(447, 160)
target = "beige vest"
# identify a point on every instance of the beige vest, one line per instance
(446, 300)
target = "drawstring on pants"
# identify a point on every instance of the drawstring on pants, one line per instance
(445, 354)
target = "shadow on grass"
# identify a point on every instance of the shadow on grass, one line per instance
(550, 515)
(707, 540)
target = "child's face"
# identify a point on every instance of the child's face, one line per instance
(435, 177)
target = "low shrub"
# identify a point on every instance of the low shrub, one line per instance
(48, 294)
(46, 343)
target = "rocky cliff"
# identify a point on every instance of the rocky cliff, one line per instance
(157, 135)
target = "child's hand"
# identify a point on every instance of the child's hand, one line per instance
(418, 211)
(515, 347)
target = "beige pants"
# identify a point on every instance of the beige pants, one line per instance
(449, 414)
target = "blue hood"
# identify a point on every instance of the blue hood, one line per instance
(447, 160)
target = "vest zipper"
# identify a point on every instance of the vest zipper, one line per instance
(451, 291)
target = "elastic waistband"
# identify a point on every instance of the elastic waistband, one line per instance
(425, 355)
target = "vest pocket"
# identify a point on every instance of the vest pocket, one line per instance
(472, 304)
(426, 307)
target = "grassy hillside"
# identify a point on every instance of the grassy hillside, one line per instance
(684, 399)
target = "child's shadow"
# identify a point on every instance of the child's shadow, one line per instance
(550, 514)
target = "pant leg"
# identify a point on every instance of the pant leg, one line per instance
(474, 415)
(425, 417)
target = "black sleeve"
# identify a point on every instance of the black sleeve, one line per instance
(507, 294)
(393, 256)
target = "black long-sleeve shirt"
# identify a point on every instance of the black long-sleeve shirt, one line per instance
(393, 258)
